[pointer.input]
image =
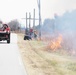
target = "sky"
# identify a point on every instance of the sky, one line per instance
(16, 9)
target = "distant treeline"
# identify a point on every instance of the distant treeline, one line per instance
(66, 22)
(14, 25)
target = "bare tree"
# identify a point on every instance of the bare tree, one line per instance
(14, 25)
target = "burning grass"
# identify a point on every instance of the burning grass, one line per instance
(39, 61)
(56, 43)
(60, 43)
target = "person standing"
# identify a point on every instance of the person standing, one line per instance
(35, 34)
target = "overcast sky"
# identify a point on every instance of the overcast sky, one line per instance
(11, 9)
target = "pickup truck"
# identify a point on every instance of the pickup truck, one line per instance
(4, 32)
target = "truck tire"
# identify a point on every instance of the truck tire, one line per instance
(8, 41)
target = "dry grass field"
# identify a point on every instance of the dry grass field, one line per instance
(38, 61)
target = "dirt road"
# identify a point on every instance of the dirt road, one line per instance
(10, 59)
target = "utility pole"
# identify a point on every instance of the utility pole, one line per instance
(29, 21)
(38, 1)
(34, 20)
(29, 18)
(26, 30)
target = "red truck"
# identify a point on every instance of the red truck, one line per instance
(4, 32)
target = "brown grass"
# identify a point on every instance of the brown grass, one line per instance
(38, 61)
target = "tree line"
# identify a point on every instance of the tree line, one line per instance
(14, 25)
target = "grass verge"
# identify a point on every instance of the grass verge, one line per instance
(38, 61)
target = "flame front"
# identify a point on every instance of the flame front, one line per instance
(56, 43)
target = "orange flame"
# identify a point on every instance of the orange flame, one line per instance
(56, 43)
